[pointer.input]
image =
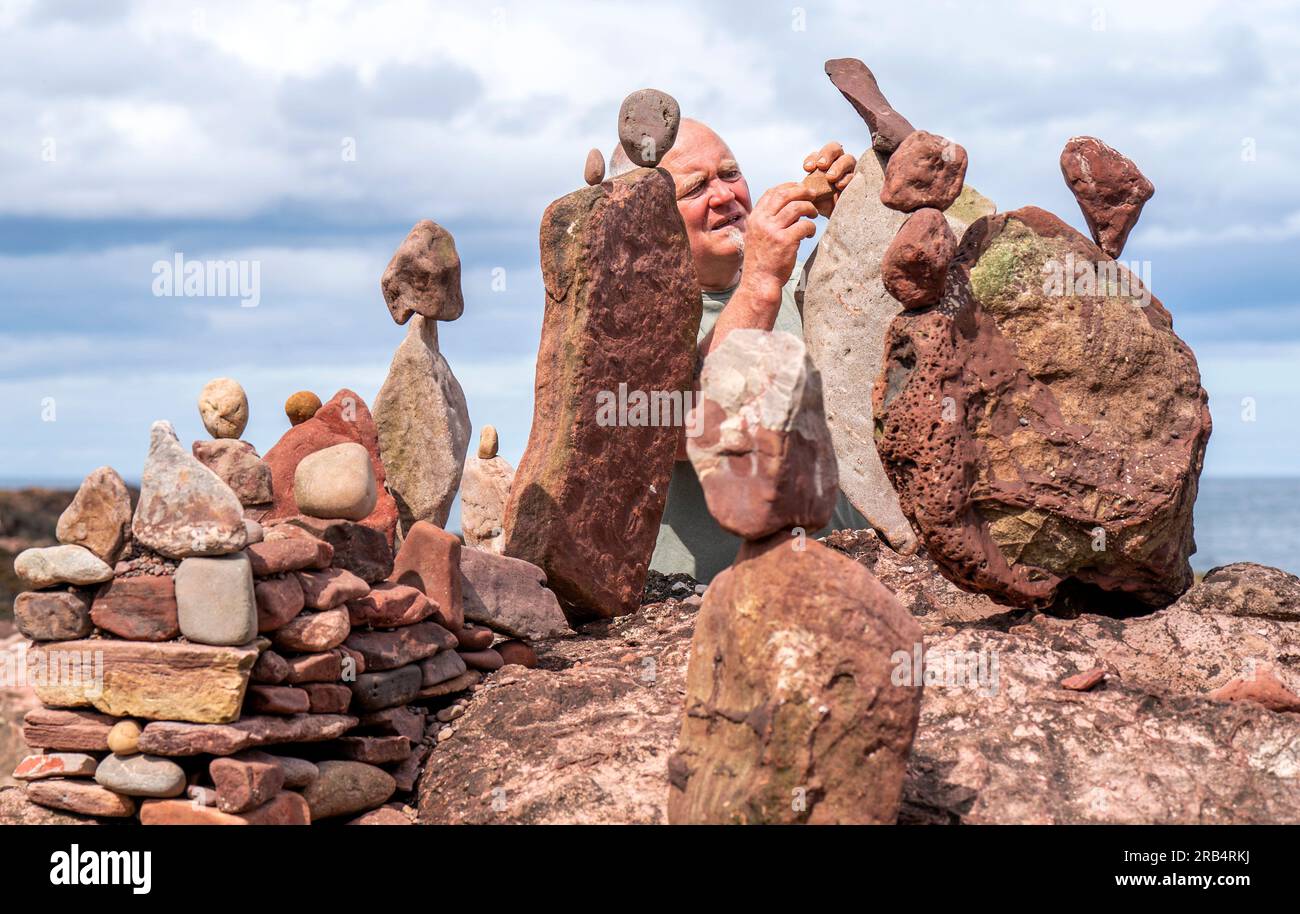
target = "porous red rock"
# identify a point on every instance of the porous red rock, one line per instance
(1037, 436)
(1109, 188)
(423, 276)
(345, 418)
(763, 455)
(387, 605)
(239, 466)
(331, 587)
(858, 85)
(279, 600)
(926, 170)
(358, 548)
(429, 561)
(139, 609)
(792, 713)
(647, 126)
(99, 516)
(622, 308)
(916, 261)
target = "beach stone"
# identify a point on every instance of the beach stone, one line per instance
(441, 667)
(238, 465)
(276, 699)
(141, 776)
(286, 808)
(423, 276)
(764, 455)
(185, 509)
(375, 750)
(926, 170)
(124, 738)
(509, 595)
(344, 418)
(223, 406)
(215, 600)
(67, 731)
(83, 797)
(279, 600)
(49, 566)
(429, 561)
(484, 491)
(1110, 189)
(389, 605)
(622, 308)
(1076, 423)
(424, 427)
(173, 738)
(485, 660)
(593, 170)
(518, 652)
(916, 262)
(846, 314)
(346, 788)
(386, 688)
(99, 517)
(358, 548)
(465, 680)
(647, 126)
(313, 632)
(382, 816)
(473, 637)
(327, 697)
(298, 773)
(331, 587)
(52, 615)
(138, 609)
(326, 667)
(336, 482)
(407, 722)
(301, 406)
(246, 781)
(270, 669)
(858, 85)
(408, 644)
(56, 765)
(790, 686)
(168, 681)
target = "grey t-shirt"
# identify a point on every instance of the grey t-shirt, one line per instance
(690, 540)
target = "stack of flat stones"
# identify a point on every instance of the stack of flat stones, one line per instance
(222, 654)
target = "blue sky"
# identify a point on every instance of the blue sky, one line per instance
(137, 130)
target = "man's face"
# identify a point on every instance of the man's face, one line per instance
(712, 195)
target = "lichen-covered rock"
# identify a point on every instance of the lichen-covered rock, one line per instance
(99, 516)
(1037, 436)
(622, 308)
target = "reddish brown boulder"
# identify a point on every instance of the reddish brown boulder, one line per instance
(517, 652)
(278, 601)
(286, 808)
(926, 170)
(424, 276)
(1040, 435)
(85, 797)
(358, 548)
(764, 455)
(858, 84)
(139, 609)
(792, 711)
(331, 587)
(916, 261)
(344, 418)
(388, 605)
(239, 466)
(429, 561)
(245, 781)
(275, 699)
(288, 547)
(622, 313)
(1110, 189)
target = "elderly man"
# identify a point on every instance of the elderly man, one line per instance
(745, 259)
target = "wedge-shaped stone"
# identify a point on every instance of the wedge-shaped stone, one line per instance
(174, 738)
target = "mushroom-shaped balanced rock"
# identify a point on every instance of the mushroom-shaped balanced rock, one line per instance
(424, 276)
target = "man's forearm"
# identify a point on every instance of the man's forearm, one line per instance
(754, 306)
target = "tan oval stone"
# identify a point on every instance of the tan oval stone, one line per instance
(223, 405)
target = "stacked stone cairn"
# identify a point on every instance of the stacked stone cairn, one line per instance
(279, 639)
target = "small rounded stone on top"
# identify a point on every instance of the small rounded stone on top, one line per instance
(926, 170)
(301, 406)
(647, 125)
(223, 405)
(594, 171)
(487, 443)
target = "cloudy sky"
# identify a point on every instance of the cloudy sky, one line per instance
(310, 138)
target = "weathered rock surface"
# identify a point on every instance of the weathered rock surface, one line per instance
(916, 262)
(223, 406)
(408, 644)
(424, 276)
(390, 604)
(49, 566)
(429, 561)
(99, 516)
(331, 587)
(53, 615)
(423, 425)
(314, 632)
(173, 738)
(286, 547)
(858, 85)
(1037, 438)
(846, 314)
(484, 491)
(763, 455)
(301, 406)
(67, 731)
(647, 126)
(1110, 190)
(142, 608)
(510, 596)
(926, 170)
(344, 418)
(215, 599)
(184, 508)
(622, 308)
(358, 548)
(239, 466)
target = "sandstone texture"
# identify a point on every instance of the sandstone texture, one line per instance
(647, 126)
(510, 596)
(99, 516)
(916, 262)
(1110, 190)
(484, 491)
(926, 170)
(223, 406)
(336, 482)
(858, 85)
(424, 276)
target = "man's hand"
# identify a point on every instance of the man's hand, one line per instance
(838, 166)
(781, 219)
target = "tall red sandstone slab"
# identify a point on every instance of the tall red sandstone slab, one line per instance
(622, 307)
